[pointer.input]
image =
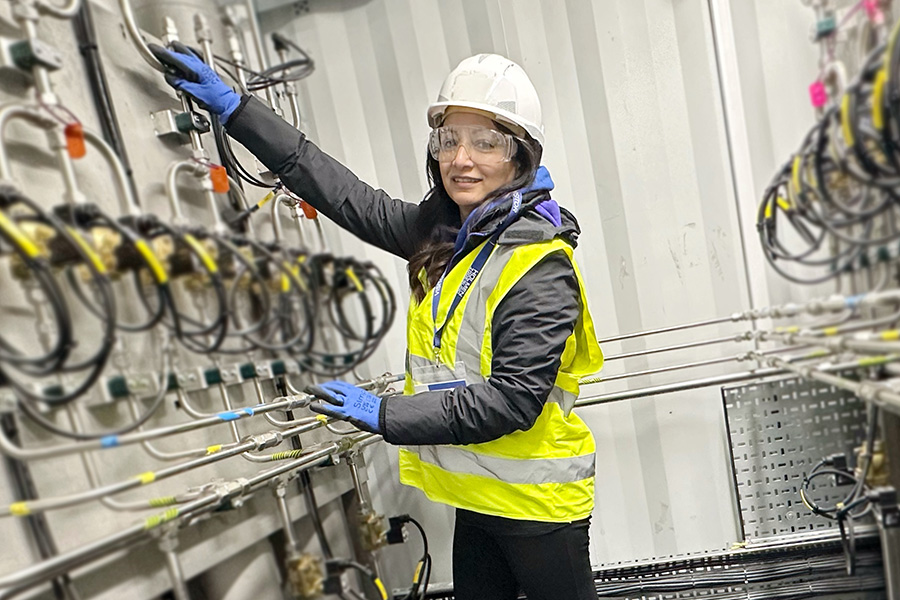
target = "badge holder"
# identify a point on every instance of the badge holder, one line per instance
(434, 378)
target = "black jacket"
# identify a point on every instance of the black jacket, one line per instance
(530, 326)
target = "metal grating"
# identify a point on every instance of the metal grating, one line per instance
(778, 431)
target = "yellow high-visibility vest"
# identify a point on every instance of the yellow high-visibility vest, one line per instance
(543, 474)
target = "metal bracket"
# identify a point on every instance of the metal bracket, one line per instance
(168, 123)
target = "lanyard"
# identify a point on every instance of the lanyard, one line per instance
(471, 274)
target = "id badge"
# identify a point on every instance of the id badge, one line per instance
(433, 378)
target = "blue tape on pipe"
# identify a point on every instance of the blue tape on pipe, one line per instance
(853, 301)
(109, 441)
(234, 415)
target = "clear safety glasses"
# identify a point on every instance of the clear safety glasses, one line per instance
(483, 145)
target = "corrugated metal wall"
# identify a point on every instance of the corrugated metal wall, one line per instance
(637, 145)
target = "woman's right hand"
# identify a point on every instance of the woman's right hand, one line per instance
(186, 72)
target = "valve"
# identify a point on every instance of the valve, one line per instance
(372, 530)
(306, 576)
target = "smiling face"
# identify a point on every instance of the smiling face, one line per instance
(469, 183)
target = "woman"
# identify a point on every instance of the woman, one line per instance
(498, 329)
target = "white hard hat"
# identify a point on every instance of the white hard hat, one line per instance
(494, 84)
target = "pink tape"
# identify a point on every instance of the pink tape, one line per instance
(873, 11)
(818, 95)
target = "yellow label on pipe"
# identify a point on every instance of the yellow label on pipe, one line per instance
(208, 263)
(152, 261)
(381, 590)
(768, 210)
(18, 237)
(418, 572)
(818, 354)
(795, 174)
(878, 99)
(265, 199)
(891, 336)
(322, 418)
(157, 520)
(213, 449)
(88, 250)
(163, 501)
(356, 282)
(19, 509)
(845, 121)
(872, 361)
(146, 478)
(829, 331)
(784, 204)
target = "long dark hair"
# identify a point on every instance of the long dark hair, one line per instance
(440, 221)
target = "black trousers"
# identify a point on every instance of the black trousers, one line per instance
(492, 565)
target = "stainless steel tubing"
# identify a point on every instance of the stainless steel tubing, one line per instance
(287, 523)
(55, 503)
(168, 544)
(66, 11)
(136, 38)
(637, 334)
(129, 202)
(870, 391)
(818, 306)
(709, 381)
(15, 583)
(7, 447)
(699, 363)
(8, 112)
(722, 340)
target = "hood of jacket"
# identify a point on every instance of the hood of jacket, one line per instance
(540, 218)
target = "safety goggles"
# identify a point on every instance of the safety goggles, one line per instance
(483, 145)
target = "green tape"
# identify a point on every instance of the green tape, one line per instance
(117, 387)
(248, 371)
(278, 367)
(212, 376)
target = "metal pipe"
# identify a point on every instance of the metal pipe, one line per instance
(286, 522)
(66, 11)
(130, 204)
(100, 492)
(721, 340)
(870, 391)
(9, 448)
(834, 343)
(93, 473)
(701, 363)
(136, 38)
(8, 112)
(629, 336)
(168, 543)
(58, 502)
(818, 306)
(258, 44)
(630, 374)
(161, 454)
(693, 384)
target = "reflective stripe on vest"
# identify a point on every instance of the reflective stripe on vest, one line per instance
(543, 474)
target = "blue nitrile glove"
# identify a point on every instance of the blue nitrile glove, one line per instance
(347, 403)
(185, 71)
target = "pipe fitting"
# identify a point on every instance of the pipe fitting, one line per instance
(266, 440)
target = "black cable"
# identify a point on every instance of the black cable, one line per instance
(85, 34)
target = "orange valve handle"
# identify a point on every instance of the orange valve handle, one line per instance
(308, 210)
(219, 177)
(75, 140)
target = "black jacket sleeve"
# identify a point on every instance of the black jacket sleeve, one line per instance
(530, 329)
(371, 215)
